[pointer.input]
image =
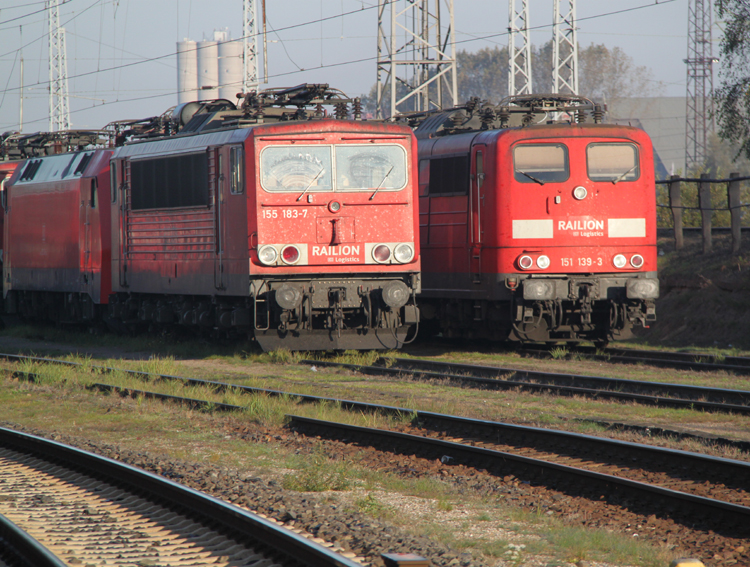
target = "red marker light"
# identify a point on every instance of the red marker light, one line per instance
(381, 253)
(290, 254)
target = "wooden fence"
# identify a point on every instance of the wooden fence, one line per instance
(734, 206)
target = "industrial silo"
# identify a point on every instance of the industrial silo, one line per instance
(187, 71)
(230, 69)
(208, 70)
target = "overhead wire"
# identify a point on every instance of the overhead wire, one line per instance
(46, 34)
(278, 75)
(499, 34)
(46, 8)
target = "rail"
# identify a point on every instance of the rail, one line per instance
(285, 547)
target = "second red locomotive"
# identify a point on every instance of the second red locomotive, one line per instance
(535, 228)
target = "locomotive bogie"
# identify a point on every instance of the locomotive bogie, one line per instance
(362, 313)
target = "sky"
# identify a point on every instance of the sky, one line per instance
(122, 63)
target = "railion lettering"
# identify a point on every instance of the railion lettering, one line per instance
(580, 225)
(336, 250)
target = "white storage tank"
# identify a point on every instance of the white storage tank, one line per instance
(230, 69)
(208, 70)
(187, 71)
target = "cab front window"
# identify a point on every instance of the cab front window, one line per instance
(342, 167)
(370, 167)
(612, 162)
(541, 163)
(296, 168)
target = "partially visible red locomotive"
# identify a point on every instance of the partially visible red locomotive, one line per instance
(6, 170)
(15, 147)
(272, 219)
(535, 224)
(56, 235)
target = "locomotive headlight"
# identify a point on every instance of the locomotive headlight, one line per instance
(643, 288)
(334, 206)
(403, 253)
(525, 262)
(542, 262)
(381, 253)
(636, 261)
(288, 297)
(580, 193)
(290, 254)
(268, 255)
(538, 289)
(619, 261)
(395, 294)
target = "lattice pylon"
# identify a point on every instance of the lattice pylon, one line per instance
(250, 45)
(59, 109)
(519, 48)
(700, 83)
(426, 58)
(565, 49)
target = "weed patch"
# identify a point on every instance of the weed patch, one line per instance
(318, 473)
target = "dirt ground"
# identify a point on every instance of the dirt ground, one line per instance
(705, 297)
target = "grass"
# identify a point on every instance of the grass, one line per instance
(534, 409)
(559, 353)
(317, 472)
(63, 404)
(372, 506)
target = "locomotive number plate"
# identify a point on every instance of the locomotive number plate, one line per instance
(284, 213)
(581, 262)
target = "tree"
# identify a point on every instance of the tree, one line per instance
(483, 74)
(606, 75)
(733, 96)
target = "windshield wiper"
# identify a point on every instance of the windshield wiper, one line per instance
(381, 184)
(531, 177)
(310, 184)
(619, 178)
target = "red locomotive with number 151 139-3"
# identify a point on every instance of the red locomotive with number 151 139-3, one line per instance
(537, 220)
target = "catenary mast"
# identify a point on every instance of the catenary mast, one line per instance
(416, 59)
(250, 44)
(700, 83)
(519, 48)
(565, 48)
(59, 111)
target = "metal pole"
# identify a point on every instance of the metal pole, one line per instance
(20, 100)
(704, 199)
(265, 46)
(735, 211)
(675, 203)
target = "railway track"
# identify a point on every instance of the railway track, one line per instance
(727, 512)
(347, 404)
(704, 492)
(18, 549)
(601, 387)
(651, 480)
(661, 486)
(91, 510)
(665, 359)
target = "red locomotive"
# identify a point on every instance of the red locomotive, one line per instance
(271, 219)
(534, 228)
(6, 170)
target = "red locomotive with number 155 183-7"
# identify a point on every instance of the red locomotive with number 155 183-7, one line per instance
(273, 219)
